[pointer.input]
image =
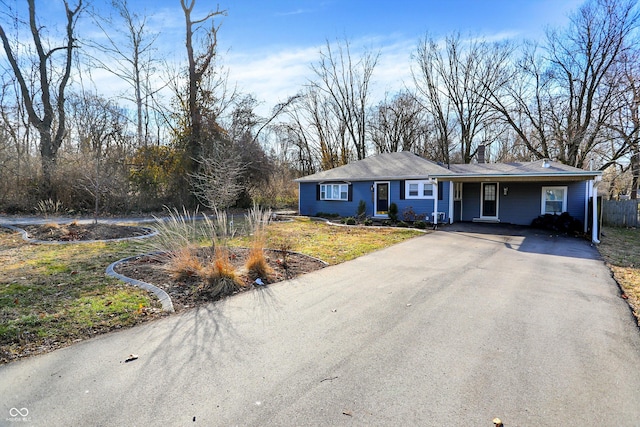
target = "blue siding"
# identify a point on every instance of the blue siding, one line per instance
(523, 201)
(309, 206)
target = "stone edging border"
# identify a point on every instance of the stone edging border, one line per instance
(25, 237)
(162, 296)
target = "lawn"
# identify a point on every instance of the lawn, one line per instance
(54, 295)
(620, 248)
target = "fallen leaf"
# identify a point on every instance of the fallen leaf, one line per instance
(347, 413)
(131, 358)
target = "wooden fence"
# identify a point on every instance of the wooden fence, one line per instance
(621, 213)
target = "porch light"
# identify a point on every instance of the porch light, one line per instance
(505, 190)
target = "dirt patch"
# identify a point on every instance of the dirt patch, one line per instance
(187, 293)
(75, 232)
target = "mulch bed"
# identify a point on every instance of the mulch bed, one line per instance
(75, 232)
(184, 293)
(152, 269)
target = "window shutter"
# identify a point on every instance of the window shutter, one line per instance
(317, 191)
(350, 192)
(440, 190)
(402, 185)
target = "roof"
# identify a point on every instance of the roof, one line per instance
(398, 165)
(538, 170)
(406, 165)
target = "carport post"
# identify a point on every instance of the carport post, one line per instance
(435, 203)
(594, 204)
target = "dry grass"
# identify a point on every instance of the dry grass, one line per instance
(184, 263)
(256, 222)
(620, 248)
(257, 265)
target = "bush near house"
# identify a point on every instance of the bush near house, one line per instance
(563, 223)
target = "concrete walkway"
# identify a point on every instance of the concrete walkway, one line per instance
(452, 328)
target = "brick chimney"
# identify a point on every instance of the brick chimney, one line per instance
(480, 153)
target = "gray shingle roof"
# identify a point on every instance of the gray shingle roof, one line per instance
(406, 165)
(537, 168)
(400, 165)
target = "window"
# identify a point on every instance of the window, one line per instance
(334, 192)
(457, 192)
(419, 189)
(554, 200)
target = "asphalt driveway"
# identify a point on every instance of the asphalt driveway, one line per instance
(453, 328)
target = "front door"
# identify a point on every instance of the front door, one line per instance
(490, 200)
(382, 198)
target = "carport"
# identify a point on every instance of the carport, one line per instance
(517, 193)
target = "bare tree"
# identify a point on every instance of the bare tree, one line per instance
(626, 121)
(397, 124)
(218, 183)
(45, 104)
(199, 64)
(454, 80)
(129, 56)
(345, 82)
(562, 102)
(584, 60)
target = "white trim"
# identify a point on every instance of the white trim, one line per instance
(375, 198)
(421, 183)
(497, 215)
(333, 185)
(543, 201)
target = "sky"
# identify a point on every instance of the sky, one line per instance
(268, 46)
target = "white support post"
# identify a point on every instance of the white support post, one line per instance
(435, 203)
(451, 195)
(594, 221)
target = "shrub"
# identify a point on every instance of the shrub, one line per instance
(402, 224)
(393, 212)
(362, 209)
(368, 222)
(563, 223)
(327, 215)
(420, 224)
(408, 214)
(350, 221)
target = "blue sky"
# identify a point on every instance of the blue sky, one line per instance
(269, 45)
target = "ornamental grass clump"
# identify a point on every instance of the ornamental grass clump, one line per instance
(220, 277)
(257, 220)
(194, 248)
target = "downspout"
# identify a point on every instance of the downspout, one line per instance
(299, 196)
(594, 221)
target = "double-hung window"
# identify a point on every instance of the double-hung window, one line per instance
(418, 190)
(554, 200)
(334, 192)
